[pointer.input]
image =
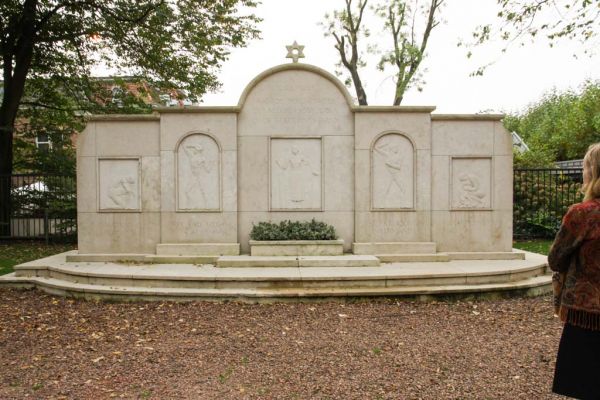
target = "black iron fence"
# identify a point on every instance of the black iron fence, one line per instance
(36, 206)
(542, 197)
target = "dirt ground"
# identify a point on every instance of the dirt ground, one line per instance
(53, 348)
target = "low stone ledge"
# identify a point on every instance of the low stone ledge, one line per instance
(389, 248)
(296, 247)
(467, 117)
(410, 258)
(106, 257)
(297, 261)
(494, 255)
(198, 249)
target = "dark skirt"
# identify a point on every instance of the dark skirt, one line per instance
(577, 371)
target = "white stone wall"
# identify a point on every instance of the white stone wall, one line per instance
(214, 219)
(408, 221)
(472, 184)
(118, 185)
(296, 147)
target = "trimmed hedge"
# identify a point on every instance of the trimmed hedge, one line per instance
(293, 230)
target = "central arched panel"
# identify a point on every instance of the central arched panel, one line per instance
(296, 150)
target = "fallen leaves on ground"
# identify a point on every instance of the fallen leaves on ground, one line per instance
(378, 349)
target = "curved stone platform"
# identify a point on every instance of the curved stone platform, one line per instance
(180, 282)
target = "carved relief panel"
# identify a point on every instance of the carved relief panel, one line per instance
(392, 173)
(296, 174)
(471, 183)
(198, 160)
(119, 184)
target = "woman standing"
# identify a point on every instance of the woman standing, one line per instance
(575, 258)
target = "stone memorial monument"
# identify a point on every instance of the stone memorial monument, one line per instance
(391, 180)
(421, 202)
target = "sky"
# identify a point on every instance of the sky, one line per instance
(517, 78)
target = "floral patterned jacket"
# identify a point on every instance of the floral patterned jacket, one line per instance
(575, 260)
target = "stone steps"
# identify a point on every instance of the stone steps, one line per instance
(197, 249)
(176, 276)
(530, 286)
(297, 261)
(418, 257)
(143, 258)
(280, 261)
(394, 248)
(132, 281)
(186, 281)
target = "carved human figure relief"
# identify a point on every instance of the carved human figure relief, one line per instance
(471, 195)
(471, 183)
(122, 192)
(296, 173)
(198, 173)
(392, 167)
(119, 184)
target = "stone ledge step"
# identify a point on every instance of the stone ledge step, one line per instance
(169, 259)
(197, 249)
(142, 258)
(251, 278)
(297, 261)
(492, 255)
(418, 257)
(535, 285)
(394, 248)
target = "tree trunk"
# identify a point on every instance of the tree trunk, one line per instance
(360, 91)
(7, 122)
(6, 158)
(17, 57)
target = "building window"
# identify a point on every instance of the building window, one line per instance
(117, 96)
(42, 142)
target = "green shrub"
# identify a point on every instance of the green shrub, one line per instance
(293, 230)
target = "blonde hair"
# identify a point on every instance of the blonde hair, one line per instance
(591, 191)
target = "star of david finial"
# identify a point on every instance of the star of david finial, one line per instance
(295, 52)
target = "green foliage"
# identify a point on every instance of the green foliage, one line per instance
(174, 43)
(536, 158)
(541, 200)
(50, 47)
(540, 246)
(293, 230)
(522, 21)
(400, 22)
(559, 127)
(15, 253)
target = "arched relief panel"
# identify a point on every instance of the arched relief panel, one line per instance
(392, 172)
(198, 173)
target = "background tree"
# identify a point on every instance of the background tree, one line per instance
(409, 25)
(346, 27)
(559, 127)
(555, 20)
(175, 43)
(171, 43)
(408, 47)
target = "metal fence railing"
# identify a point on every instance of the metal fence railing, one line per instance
(541, 198)
(37, 206)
